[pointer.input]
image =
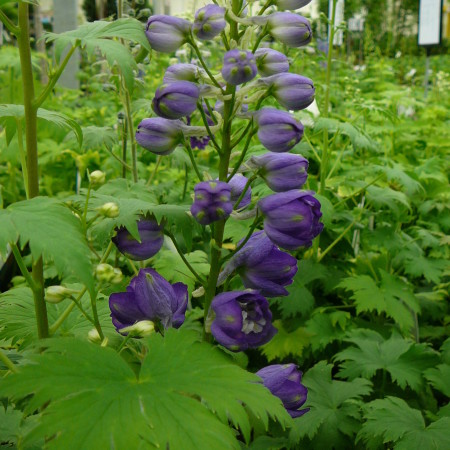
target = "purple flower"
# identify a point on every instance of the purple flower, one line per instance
(271, 62)
(212, 201)
(166, 33)
(239, 66)
(182, 72)
(149, 296)
(160, 136)
(237, 184)
(290, 29)
(176, 100)
(242, 320)
(281, 172)
(278, 131)
(152, 238)
(209, 22)
(284, 381)
(291, 219)
(292, 91)
(262, 266)
(291, 4)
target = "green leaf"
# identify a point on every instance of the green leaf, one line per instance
(404, 360)
(99, 35)
(52, 232)
(379, 197)
(9, 425)
(394, 421)
(392, 297)
(334, 416)
(439, 377)
(431, 269)
(183, 397)
(286, 343)
(54, 117)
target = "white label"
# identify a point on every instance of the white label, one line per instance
(339, 35)
(430, 22)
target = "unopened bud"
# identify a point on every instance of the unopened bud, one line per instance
(97, 178)
(118, 277)
(93, 335)
(140, 329)
(104, 272)
(109, 210)
(198, 292)
(56, 294)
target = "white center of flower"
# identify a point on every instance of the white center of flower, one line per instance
(251, 326)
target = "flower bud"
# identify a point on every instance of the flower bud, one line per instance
(176, 100)
(281, 172)
(278, 131)
(271, 62)
(118, 276)
(182, 72)
(292, 91)
(93, 336)
(151, 240)
(159, 136)
(212, 202)
(56, 294)
(140, 329)
(97, 177)
(291, 4)
(109, 210)
(290, 29)
(166, 33)
(291, 219)
(239, 66)
(105, 272)
(209, 22)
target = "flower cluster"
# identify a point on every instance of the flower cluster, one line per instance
(287, 220)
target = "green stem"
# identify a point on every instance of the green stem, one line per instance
(130, 128)
(23, 40)
(96, 321)
(54, 78)
(194, 164)
(7, 362)
(124, 165)
(23, 155)
(312, 148)
(263, 9)
(336, 241)
(202, 62)
(210, 134)
(186, 262)
(359, 191)
(86, 204)
(243, 154)
(244, 191)
(261, 36)
(23, 268)
(155, 170)
(123, 161)
(14, 29)
(249, 235)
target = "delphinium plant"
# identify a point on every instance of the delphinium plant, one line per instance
(170, 377)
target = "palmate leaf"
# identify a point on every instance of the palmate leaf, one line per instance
(439, 377)
(395, 421)
(392, 297)
(134, 200)
(99, 35)
(404, 360)
(335, 409)
(183, 397)
(52, 232)
(8, 114)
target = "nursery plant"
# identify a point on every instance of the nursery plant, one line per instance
(193, 257)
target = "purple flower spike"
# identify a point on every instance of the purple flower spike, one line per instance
(167, 33)
(209, 22)
(237, 184)
(291, 219)
(182, 72)
(243, 320)
(291, 4)
(239, 66)
(284, 381)
(290, 29)
(292, 91)
(152, 238)
(212, 201)
(262, 266)
(278, 131)
(149, 296)
(176, 100)
(160, 136)
(281, 172)
(271, 62)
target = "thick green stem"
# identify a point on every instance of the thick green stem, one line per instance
(23, 156)
(130, 128)
(23, 40)
(22, 266)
